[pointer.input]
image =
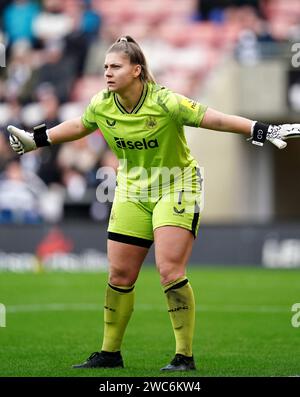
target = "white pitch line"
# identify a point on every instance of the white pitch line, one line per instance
(58, 307)
(52, 307)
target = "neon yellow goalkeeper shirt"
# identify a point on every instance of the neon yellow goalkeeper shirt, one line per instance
(149, 141)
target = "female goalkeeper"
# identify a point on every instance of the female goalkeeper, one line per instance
(158, 193)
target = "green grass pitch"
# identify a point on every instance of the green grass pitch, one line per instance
(243, 324)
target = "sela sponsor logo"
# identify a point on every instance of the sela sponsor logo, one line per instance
(139, 145)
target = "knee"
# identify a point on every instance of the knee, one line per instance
(170, 272)
(121, 278)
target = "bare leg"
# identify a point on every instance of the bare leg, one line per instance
(173, 247)
(125, 261)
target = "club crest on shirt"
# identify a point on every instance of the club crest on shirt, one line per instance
(151, 122)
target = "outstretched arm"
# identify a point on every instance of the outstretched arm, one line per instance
(214, 120)
(69, 130)
(258, 132)
(22, 141)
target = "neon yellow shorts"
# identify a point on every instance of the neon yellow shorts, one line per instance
(133, 221)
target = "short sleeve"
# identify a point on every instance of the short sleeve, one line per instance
(88, 118)
(187, 111)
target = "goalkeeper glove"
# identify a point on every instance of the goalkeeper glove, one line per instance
(22, 141)
(276, 134)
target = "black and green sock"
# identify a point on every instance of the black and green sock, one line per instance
(118, 307)
(181, 304)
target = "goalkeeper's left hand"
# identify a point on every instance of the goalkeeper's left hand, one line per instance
(276, 134)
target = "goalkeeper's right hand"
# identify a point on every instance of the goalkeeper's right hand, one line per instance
(22, 141)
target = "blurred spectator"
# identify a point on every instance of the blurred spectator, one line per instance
(15, 110)
(213, 10)
(86, 87)
(48, 169)
(19, 69)
(97, 50)
(18, 18)
(247, 50)
(20, 194)
(283, 17)
(56, 65)
(78, 161)
(52, 24)
(6, 153)
(91, 21)
(58, 70)
(3, 5)
(254, 37)
(86, 25)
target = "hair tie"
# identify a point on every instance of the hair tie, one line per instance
(123, 39)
